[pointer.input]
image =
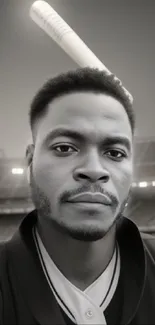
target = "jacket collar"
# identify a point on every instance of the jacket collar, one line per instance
(33, 284)
(22, 252)
(133, 267)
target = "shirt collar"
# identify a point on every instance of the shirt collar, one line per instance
(73, 301)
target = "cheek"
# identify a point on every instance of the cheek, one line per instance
(122, 180)
(49, 175)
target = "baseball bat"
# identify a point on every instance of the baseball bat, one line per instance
(52, 23)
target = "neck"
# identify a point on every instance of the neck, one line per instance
(80, 262)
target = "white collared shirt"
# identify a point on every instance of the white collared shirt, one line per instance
(82, 307)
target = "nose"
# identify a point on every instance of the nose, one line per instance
(92, 169)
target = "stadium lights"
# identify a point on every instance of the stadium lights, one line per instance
(17, 171)
(143, 184)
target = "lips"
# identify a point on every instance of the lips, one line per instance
(91, 198)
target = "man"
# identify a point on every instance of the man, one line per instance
(76, 259)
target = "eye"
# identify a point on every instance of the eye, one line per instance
(64, 148)
(116, 154)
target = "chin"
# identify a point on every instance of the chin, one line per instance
(87, 232)
(86, 236)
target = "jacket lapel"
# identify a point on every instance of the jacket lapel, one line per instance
(33, 284)
(133, 268)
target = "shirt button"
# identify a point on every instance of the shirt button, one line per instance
(89, 313)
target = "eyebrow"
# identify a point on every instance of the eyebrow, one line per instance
(77, 136)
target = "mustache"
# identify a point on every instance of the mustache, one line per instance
(66, 195)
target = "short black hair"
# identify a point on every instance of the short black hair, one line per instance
(81, 79)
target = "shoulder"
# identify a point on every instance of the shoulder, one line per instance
(149, 244)
(7, 314)
(3, 273)
(2, 250)
(3, 258)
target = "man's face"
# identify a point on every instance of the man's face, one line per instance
(91, 154)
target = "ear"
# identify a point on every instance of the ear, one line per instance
(29, 154)
(29, 158)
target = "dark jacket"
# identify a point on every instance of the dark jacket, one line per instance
(25, 297)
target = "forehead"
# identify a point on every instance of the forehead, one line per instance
(92, 112)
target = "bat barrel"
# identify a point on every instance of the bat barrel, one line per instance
(52, 23)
